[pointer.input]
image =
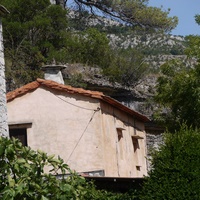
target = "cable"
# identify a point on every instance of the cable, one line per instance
(83, 133)
(73, 104)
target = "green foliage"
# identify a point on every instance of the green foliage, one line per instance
(95, 48)
(178, 93)
(37, 36)
(23, 175)
(31, 37)
(175, 172)
(126, 67)
(192, 49)
(29, 174)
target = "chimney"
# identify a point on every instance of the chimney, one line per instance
(3, 107)
(58, 2)
(53, 73)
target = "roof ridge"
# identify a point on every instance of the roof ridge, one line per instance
(68, 88)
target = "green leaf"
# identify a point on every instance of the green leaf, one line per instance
(44, 198)
(11, 181)
(21, 161)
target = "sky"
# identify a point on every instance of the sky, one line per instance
(185, 10)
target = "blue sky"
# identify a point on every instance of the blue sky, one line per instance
(185, 10)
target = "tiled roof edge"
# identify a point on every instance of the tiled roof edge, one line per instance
(126, 109)
(22, 90)
(70, 89)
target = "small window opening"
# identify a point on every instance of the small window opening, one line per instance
(20, 134)
(135, 144)
(119, 133)
(138, 168)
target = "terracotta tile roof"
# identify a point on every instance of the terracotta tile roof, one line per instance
(66, 88)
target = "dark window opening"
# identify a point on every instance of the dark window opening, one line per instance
(135, 144)
(119, 134)
(138, 168)
(20, 134)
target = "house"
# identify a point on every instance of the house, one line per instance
(94, 134)
(3, 110)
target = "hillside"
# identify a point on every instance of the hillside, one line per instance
(157, 49)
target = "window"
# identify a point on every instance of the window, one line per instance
(135, 141)
(19, 131)
(20, 134)
(119, 134)
(138, 167)
(119, 147)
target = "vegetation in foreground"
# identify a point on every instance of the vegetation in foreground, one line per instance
(175, 173)
(23, 176)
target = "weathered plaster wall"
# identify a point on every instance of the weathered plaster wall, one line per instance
(61, 127)
(86, 138)
(121, 158)
(3, 109)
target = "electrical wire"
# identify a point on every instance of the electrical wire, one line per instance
(83, 133)
(73, 104)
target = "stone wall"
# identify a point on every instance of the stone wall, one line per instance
(3, 109)
(153, 143)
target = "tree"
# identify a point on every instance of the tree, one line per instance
(127, 67)
(31, 37)
(178, 94)
(23, 176)
(95, 48)
(178, 89)
(175, 172)
(132, 12)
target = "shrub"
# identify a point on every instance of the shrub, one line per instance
(175, 173)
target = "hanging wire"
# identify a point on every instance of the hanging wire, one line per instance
(73, 104)
(83, 133)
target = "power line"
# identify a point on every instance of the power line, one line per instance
(83, 133)
(73, 104)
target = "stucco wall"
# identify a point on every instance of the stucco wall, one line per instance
(120, 156)
(86, 138)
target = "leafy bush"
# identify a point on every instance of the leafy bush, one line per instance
(178, 91)
(24, 175)
(175, 173)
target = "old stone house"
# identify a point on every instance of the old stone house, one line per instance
(93, 133)
(3, 110)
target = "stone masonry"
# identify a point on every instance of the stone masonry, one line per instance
(3, 108)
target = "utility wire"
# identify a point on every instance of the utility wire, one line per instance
(73, 104)
(83, 132)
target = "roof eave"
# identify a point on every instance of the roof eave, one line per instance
(124, 108)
